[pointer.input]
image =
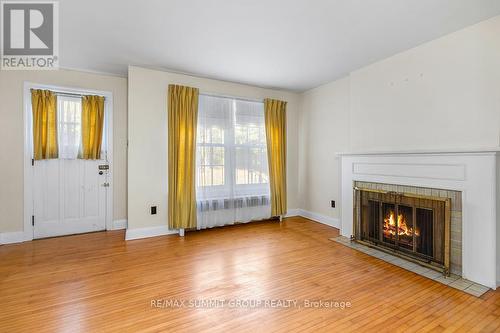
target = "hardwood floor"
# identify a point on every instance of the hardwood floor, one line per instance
(98, 282)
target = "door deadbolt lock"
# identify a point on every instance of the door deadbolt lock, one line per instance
(105, 184)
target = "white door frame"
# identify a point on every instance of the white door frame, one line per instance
(28, 150)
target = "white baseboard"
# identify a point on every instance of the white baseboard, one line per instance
(139, 233)
(330, 221)
(293, 212)
(20, 236)
(119, 224)
(14, 237)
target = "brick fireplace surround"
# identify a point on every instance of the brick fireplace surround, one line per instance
(469, 177)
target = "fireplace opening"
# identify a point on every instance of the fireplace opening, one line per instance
(413, 226)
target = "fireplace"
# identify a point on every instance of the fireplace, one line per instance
(416, 227)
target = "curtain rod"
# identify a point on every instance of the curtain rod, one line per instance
(232, 97)
(68, 94)
(73, 94)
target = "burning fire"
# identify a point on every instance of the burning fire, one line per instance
(402, 228)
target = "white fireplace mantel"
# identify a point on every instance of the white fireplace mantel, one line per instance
(474, 173)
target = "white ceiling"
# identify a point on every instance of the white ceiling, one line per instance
(288, 44)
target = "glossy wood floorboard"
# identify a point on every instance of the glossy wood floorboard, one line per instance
(98, 282)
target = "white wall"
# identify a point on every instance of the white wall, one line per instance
(324, 130)
(12, 139)
(147, 156)
(444, 94)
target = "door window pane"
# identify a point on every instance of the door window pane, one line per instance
(69, 118)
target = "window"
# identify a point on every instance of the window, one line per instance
(250, 144)
(231, 148)
(69, 127)
(69, 123)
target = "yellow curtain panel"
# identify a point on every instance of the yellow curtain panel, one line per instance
(92, 127)
(44, 109)
(182, 121)
(275, 114)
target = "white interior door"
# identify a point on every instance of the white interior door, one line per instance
(70, 197)
(69, 194)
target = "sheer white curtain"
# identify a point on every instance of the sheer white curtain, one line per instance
(232, 178)
(69, 126)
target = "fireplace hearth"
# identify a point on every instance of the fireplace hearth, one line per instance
(416, 227)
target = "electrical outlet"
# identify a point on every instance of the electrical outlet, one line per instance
(332, 203)
(153, 210)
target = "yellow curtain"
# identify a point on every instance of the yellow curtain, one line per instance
(44, 110)
(275, 114)
(182, 121)
(92, 127)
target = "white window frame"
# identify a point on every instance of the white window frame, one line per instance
(28, 149)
